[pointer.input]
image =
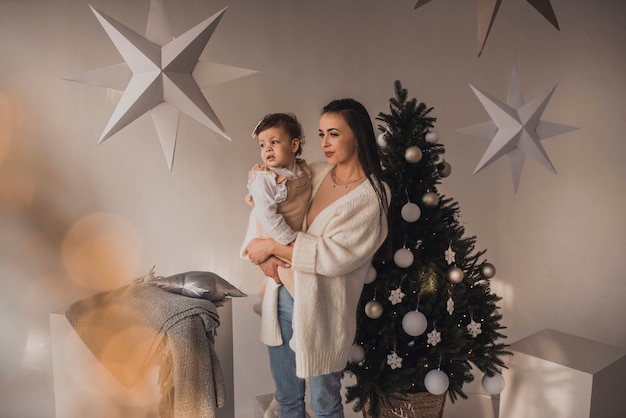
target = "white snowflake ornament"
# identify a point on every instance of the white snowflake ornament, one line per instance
(394, 361)
(396, 296)
(450, 255)
(434, 337)
(450, 305)
(474, 328)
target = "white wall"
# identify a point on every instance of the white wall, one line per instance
(77, 217)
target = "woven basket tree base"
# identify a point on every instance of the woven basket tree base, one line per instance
(412, 405)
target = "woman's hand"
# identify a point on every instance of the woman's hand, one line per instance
(259, 250)
(270, 267)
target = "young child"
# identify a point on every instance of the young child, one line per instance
(279, 189)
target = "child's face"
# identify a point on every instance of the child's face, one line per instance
(277, 148)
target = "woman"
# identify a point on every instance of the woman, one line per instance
(345, 224)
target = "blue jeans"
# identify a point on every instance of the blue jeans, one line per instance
(290, 389)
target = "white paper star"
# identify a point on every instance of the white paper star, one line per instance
(450, 255)
(474, 328)
(434, 337)
(516, 129)
(394, 361)
(487, 10)
(161, 75)
(396, 296)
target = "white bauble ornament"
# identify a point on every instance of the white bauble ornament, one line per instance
(493, 384)
(414, 323)
(488, 270)
(356, 354)
(455, 275)
(436, 382)
(373, 309)
(413, 154)
(430, 199)
(432, 137)
(381, 140)
(371, 275)
(403, 258)
(410, 212)
(444, 168)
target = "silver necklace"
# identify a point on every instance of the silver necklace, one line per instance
(345, 185)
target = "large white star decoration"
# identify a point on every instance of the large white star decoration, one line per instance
(516, 129)
(394, 361)
(161, 75)
(488, 9)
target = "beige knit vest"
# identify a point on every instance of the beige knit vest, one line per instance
(298, 194)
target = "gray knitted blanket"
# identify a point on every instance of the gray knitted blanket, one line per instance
(131, 328)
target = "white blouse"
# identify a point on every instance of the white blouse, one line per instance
(267, 194)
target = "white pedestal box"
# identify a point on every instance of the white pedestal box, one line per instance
(83, 387)
(479, 403)
(556, 375)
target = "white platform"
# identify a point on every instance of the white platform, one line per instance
(84, 388)
(557, 375)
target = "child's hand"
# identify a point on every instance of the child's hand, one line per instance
(259, 250)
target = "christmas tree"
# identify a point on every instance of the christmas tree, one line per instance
(427, 315)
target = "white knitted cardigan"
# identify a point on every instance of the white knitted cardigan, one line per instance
(330, 261)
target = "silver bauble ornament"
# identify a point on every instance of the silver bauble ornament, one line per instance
(444, 168)
(370, 275)
(413, 154)
(432, 137)
(356, 354)
(430, 199)
(488, 270)
(455, 275)
(414, 323)
(410, 212)
(494, 385)
(373, 309)
(381, 140)
(403, 258)
(436, 382)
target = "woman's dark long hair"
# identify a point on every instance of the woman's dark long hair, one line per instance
(358, 119)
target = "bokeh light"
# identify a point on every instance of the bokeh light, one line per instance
(17, 186)
(101, 251)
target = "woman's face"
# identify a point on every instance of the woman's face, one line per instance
(338, 142)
